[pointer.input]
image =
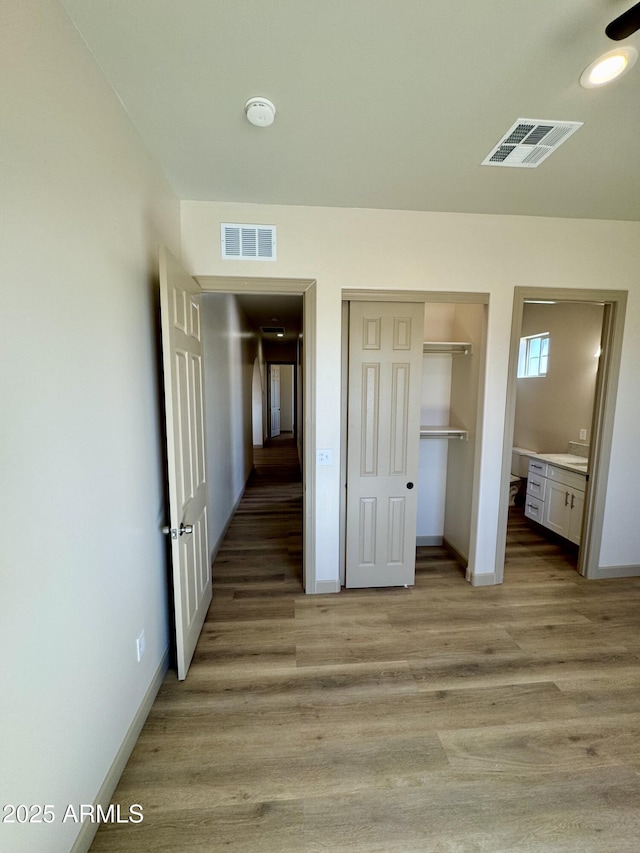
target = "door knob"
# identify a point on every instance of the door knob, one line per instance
(184, 528)
(409, 485)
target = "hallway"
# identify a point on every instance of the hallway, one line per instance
(436, 718)
(263, 544)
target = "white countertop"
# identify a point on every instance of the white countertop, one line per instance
(566, 460)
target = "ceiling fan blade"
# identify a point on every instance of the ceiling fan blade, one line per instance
(626, 24)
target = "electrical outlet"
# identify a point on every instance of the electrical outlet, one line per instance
(583, 435)
(324, 457)
(141, 645)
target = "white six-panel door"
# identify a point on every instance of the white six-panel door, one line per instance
(184, 406)
(383, 435)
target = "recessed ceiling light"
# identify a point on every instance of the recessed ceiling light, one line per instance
(279, 334)
(608, 67)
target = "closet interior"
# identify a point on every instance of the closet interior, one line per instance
(451, 414)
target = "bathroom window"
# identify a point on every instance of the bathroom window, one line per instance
(534, 355)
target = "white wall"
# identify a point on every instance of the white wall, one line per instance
(432, 476)
(345, 248)
(434, 411)
(83, 565)
(230, 349)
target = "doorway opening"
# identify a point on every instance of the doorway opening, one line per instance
(293, 305)
(257, 416)
(565, 491)
(282, 392)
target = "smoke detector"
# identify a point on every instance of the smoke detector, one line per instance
(260, 111)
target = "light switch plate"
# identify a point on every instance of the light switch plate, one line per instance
(324, 457)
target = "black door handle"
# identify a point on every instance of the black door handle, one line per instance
(409, 485)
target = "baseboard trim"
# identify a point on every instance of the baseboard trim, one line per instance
(603, 572)
(428, 541)
(483, 579)
(88, 830)
(324, 587)
(460, 557)
(213, 551)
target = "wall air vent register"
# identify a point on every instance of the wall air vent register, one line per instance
(248, 242)
(530, 141)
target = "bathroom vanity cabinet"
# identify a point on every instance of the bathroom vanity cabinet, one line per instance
(555, 498)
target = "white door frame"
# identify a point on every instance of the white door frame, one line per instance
(615, 302)
(287, 287)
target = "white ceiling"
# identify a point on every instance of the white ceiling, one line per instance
(380, 103)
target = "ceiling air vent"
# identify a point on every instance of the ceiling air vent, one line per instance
(248, 242)
(272, 330)
(529, 142)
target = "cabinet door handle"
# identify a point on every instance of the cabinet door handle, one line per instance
(566, 498)
(573, 500)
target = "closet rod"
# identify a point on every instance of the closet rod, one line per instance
(443, 432)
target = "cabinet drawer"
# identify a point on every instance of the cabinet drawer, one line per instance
(533, 508)
(567, 478)
(536, 486)
(536, 466)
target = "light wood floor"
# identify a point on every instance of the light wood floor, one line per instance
(440, 718)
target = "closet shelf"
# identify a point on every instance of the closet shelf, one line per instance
(452, 347)
(443, 432)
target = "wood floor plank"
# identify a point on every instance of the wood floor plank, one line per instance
(581, 637)
(436, 719)
(518, 668)
(570, 744)
(429, 712)
(248, 828)
(357, 645)
(582, 812)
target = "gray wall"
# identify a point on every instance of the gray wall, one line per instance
(467, 389)
(551, 410)
(230, 349)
